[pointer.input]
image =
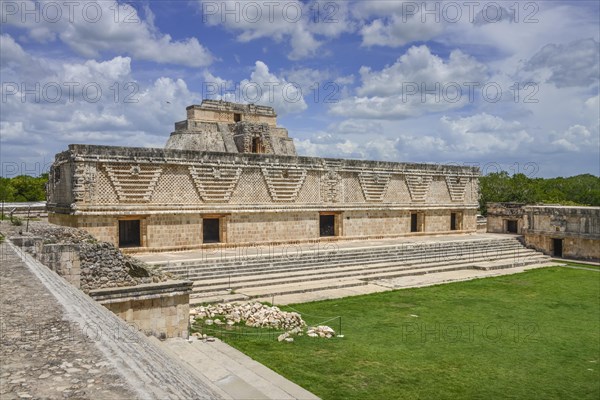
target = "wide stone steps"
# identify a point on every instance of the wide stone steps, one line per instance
(374, 272)
(310, 256)
(239, 278)
(257, 266)
(275, 290)
(269, 290)
(292, 268)
(272, 275)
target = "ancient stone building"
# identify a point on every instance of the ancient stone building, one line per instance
(229, 175)
(561, 231)
(505, 217)
(223, 127)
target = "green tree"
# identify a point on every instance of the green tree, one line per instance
(575, 190)
(7, 191)
(28, 188)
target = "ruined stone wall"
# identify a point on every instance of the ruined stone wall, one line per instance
(60, 183)
(577, 227)
(573, 247)
(103, 228)
(160, 310)
(580, 221)
(62, 259)
(228, 116)
(437, 221)
(470, 220)
(499, 213)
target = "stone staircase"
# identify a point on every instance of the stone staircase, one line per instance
(262, 277)
(233, 372)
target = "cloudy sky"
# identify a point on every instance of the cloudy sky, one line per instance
(503, 85)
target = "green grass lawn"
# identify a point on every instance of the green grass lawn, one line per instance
(533, 335)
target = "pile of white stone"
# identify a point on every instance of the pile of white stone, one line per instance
(255, 315)
(258, 315)
(320, 331)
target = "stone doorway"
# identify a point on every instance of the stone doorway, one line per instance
(456, 221)
(211, 232)
(257, 145)
(326, 225)
(557, 247)
(512, 226)
(417, 222)
(129, 233)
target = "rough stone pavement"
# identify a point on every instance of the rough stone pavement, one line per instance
(43, 354)
(56, 342)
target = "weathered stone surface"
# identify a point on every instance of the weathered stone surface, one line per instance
(576, 228)
(209, 171)
(220, 126)
(82, 260)
(59, 343)
(44, 355)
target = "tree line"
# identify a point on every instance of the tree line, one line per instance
(575, 190)
(495, 187)
(23, 188)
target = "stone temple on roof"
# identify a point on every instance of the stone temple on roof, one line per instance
(229, 176)
(219, 126)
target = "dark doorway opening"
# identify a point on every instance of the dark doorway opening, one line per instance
(210, 230)
(452, 221)
(237, 117)
(414, 226)
(327, 225)
(557, 245)
(257, 145)
(511, 226)
(129, 233)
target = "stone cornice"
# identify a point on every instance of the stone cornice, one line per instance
(141, 155)
(132, 209)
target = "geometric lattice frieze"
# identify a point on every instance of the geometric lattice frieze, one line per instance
(133, 183)
(374, 185)
(418, 186)
(215, 184)
(283, 183)
(456, 187)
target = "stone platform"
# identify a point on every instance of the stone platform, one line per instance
(307, 272)
(59, 343)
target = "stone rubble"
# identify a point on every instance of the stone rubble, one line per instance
(255, 315)
(102, 264)
(320, 331)
(258, 315)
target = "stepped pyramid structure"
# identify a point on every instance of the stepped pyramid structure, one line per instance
(229, 176)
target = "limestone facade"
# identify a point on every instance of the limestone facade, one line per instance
(157, 309)
(176, 199)
(562, 231)
(505, 217)
(574, 232)
(220, 126)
